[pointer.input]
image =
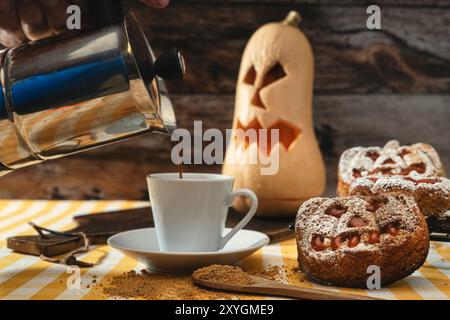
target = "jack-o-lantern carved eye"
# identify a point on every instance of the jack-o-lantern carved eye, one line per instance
(274, 74)
(250, 77)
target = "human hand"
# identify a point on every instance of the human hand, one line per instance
(23, 20)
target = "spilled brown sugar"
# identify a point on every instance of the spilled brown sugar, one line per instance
(223, 274)
(153, 286)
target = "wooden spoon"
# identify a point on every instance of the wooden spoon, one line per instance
(268, 287)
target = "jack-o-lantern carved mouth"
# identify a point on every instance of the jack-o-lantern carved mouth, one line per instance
(287, 133)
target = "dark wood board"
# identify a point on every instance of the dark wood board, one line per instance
(276, 230)
(99, 227)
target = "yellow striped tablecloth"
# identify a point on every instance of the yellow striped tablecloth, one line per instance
(27, 277)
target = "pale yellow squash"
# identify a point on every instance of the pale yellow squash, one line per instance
(274, 90)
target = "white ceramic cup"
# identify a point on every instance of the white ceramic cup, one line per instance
(190, 213)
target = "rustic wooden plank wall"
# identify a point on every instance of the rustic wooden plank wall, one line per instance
(371, 86)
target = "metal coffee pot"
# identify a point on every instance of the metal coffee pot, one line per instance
(82, 90)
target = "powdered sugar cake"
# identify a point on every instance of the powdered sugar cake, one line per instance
(419, 161)
(431, 194)
(339, 238)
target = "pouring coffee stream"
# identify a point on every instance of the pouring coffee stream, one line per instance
(180, 171)
(82, 90)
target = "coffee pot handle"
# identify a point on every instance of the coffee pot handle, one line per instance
(254, 205)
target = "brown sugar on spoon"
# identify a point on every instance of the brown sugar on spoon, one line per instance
(339, 238)
(229, 278)
(223, 274)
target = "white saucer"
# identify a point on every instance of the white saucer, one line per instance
(141, 245)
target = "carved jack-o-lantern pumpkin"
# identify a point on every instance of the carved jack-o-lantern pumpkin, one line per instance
(274, 91)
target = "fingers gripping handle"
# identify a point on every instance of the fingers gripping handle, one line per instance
(254, 205)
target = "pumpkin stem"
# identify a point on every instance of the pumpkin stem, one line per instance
(293, 19)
